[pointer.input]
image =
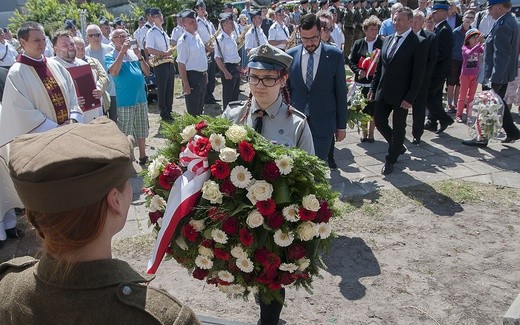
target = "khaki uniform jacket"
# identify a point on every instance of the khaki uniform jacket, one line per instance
(97, 292)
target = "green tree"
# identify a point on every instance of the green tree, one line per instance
(172, 7)
(52, 13)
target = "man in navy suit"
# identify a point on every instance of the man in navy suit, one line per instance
(501, 62)
(397, 82)
(318, 87)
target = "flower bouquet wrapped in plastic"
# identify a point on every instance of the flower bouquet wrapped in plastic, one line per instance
(236, 210)
(355, 105)
(485, 117)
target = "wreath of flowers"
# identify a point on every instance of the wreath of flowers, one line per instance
(263, 215)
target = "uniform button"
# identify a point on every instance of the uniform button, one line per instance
(127, 290)
(272, 116)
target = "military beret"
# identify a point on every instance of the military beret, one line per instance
(268, 57)
(253, 13)
(495, 2)
(200, 3)
(155, 11)
(225, 16)
(440, 5)
(71, 166)
(188, 13)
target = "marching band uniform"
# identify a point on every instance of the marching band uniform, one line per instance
(279, 32)
(157, 39)
(8, 54)
(255, 35)
(206, 30)
(191, 53)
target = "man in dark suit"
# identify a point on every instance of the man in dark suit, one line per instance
(501, 62)
(396, 83)
(419, 106)
(444, 36)
(317, 86)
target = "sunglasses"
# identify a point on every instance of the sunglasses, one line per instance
(94, 35)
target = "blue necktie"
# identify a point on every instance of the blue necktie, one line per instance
(310, 70)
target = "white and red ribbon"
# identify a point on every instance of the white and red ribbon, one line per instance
(184, 194)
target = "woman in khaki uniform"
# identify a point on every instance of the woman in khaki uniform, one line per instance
(74, 183)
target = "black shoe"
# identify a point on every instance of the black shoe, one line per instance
(332, 164)
(143, 161)
(444, 126)
(210, 102)
(430, 126)
(403, 150)
(370, 140)
(388, 168)
(475, 143)
(509, 139)
(15, 232)
(416, 141)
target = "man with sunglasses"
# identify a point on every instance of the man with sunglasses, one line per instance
(318, 88)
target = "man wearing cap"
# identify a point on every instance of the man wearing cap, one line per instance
(444, 36)
(158, 46)
(255, 35)
(65, 50)
(104, 25)
(70, 26)
(348, 27)
(317, 86)
(314, 6)
(10, 39)
(227, 59)
(396, 83)
(304, 7)
(383, 12)
(206, 31)
(139, 33)
(279, 33)
(193, 64)
(178, 30)
(501, 59)
(118, 23)
(228, 9)
(323, 5)
(266, 21)
(8, 53)
(337, 33)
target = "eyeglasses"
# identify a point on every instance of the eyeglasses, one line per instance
(94, 35)
(267, 81)
(120, 36)
(310, 39)
(330, 29)
(469, 17)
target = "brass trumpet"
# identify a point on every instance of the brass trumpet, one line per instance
(241, 39)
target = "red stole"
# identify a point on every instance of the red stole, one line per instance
(51, 85)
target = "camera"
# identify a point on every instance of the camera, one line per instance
(133, 43)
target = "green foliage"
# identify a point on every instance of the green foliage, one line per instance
(52, 13)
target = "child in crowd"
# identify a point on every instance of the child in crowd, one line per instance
(471, 57)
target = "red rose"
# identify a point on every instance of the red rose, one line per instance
(200, 274)
(221, 254)
(324, 213)
(220, 169)
(202, 147)
(154, 216)
(306, 215)
(246, 151)
(266, 207)
(286, 278)
(268, 259)
(274, 220)
(295, 252)
(271, 171)
(275, 286)
(230, 226)
(228, 188)
(246, 238)
(216, 214)
(208, 243)
(169, 175)
(189, 232)
(200, 126)
(261, 255)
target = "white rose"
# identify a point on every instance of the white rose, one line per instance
(198, 225)
(204, 251)
(156, 166)
(306, 230)
(236, 133)
(217, 141)
(188, 133)
(310, 202)
(238, 252)
(228, 155)
(259, 191)
(303, 263)
(211, 192)
(255, 219)
(157, 203)
(324, 230)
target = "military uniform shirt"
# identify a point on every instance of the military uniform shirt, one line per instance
(177, 33)
(157, 39)
(338, 36)
(254, 38)
(227, 49)
(278, 32)
(140, 35)
(282, 124)
(192, 53)
(205, 29)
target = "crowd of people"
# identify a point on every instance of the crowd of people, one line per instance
(404, 57)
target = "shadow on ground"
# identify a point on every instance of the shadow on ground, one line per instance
(351, 259)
